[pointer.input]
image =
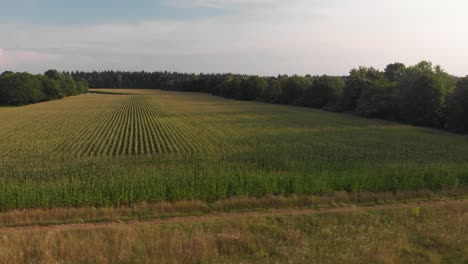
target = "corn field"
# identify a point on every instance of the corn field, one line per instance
(150, 145)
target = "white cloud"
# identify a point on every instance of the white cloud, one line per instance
(295, 36)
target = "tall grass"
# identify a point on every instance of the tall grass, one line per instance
(428, 234)
(105, 150)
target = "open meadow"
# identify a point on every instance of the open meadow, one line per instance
(120, 147)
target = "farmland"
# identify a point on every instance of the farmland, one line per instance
(122, 147)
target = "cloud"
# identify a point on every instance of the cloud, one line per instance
(5, 59)
(213, 45)
(269, 37)
(34, 56)
(17, 59)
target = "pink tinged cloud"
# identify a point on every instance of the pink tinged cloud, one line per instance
(17, 59)
(34, 56)
(5, 59)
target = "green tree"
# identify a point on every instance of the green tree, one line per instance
(253, 87)
(325, 92)
(51, 88)
(82, 85)
(6, 72)
(272, 92)
(393, 72)
(68, 86)
(422, 102)
(377, 101)
(359, 80)
(457, 120)
(292, 89)
(422, 95)
(20, 89)
(53, 75)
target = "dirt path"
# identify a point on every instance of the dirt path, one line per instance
(234, 215)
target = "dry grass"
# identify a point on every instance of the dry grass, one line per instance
(432, 234)
(160, 210)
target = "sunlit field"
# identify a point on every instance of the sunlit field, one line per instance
(429, 234)
(105, 149)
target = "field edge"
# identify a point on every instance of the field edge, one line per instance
(167, 211)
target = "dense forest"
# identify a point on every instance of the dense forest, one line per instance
(422, 95)
(25, 88)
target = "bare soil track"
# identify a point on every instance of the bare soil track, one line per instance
(234, 215)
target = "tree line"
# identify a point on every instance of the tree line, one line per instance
(421, 94)
(26, 88)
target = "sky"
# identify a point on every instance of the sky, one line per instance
(265, 37)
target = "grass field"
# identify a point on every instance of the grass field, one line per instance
(148, 145)
(419, 234)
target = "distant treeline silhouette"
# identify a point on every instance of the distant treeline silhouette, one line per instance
(422, 95)
(25, 88)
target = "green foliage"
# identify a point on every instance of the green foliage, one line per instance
(393, 72)
(252, 88)
(20, 89)
(325, 92)
(51, 88)
(53, 75)
(68, 85)
(81, 85)
(6, 72)
(358, 81)
(422, 95)
(24, 88)
(377, 101)
(458, 108)
(293, 88)
(272, 92)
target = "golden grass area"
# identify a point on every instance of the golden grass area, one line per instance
(145, 211)
(421, 234)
